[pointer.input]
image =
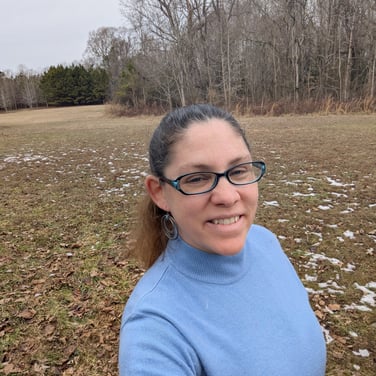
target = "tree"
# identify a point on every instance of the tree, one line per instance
(74, 85)
(109, 48)
(6, 102)
(27, 83)
(251, 51)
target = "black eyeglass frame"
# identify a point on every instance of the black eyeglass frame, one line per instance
(176, 182)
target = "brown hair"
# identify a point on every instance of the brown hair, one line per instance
(151, 241)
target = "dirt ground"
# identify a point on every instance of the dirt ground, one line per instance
(70, 179)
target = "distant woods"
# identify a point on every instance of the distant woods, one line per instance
(58, 86)
(253, 56)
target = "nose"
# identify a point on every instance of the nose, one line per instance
(225, 193)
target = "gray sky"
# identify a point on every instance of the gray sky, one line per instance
(41, 33)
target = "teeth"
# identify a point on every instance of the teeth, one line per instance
(226, 221)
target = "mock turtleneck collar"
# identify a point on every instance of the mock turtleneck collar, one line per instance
(204, 266)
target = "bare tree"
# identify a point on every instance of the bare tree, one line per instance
(7, 91)
(28, 87)
(253, 51)
(109, 48)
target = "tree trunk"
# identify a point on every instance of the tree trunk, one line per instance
(347, 83)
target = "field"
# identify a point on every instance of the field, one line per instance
(69, 183)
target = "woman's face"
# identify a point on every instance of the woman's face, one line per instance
(217, 221)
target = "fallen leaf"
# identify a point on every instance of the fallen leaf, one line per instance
(27, 314)
(39, 281)
(49, 329)
(337, 354)
(94, 273)
(341, 340)
(334, 307)
(68, 352)
(39, 368)
(10, 368)
(319, 314)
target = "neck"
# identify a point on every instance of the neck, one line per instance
(204, 266)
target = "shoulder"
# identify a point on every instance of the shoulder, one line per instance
(151, 344)
(149, 338)
(148, 287)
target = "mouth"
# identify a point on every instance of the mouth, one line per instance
(225, 221)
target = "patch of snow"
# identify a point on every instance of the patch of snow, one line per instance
(331, 284)
(271, 203)
(320, 257)
(349, 234)
(371, 285)
(324, 207)
(347, 211)
(318, 234)
(370, 251)
(364, 353)
(337, 183)
(312, 291)
(358, 307)
(328, 337)
(332, 226)
(349, 268)
(339, 194)
(310, 278)
(298, 194)
(333, 182)
(368, 295)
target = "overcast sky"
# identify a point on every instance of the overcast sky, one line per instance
(41, 33)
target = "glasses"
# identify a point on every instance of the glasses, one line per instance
(197, 183)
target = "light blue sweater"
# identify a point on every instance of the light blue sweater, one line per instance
(195, 313)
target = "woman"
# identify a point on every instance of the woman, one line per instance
(220, 297)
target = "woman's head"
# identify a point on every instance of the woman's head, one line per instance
(190, 140)
(173, 126)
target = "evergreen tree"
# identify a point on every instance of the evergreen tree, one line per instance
(74, 85)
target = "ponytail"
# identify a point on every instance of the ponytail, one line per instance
(151, 240)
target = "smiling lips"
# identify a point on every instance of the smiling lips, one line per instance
(226, 221)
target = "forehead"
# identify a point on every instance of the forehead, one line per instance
(213, 143)
(200, 131)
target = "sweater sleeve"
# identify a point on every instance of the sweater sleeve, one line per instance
(152, 346)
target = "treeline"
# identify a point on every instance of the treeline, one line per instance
(249, 53)
(58, 86)
(255, 56)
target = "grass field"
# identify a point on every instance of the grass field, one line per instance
(69, 182)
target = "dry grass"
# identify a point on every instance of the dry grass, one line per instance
(69, 181)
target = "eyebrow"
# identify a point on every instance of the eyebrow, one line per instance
(204, 167)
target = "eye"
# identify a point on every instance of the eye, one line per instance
(241, 174)
(196, 179)
(240, 171)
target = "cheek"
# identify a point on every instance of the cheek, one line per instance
(251, 195)
(185, 208)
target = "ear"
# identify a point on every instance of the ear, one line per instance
(156, 192)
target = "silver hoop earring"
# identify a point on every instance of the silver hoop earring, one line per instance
(170, 227)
